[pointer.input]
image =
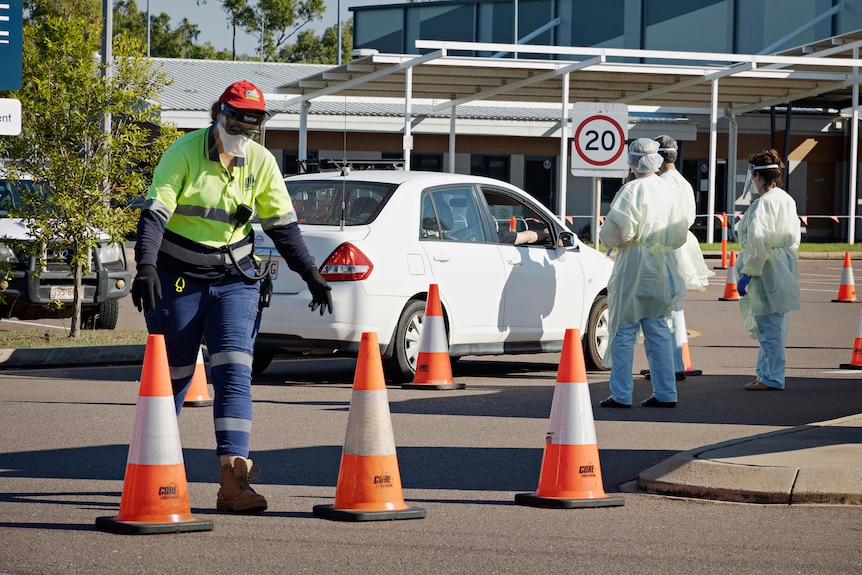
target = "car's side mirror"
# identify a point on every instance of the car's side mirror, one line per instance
(567, 239)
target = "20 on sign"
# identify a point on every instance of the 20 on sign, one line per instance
(599, 140)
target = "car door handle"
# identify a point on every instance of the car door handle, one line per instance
(515, 262)
(441, 257)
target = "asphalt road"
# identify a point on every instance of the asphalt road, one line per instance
(463, 455)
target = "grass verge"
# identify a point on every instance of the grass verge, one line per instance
(35, 338)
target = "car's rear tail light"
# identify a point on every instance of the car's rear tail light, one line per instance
(346, 263)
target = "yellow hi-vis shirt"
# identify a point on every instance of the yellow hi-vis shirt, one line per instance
(198, 198)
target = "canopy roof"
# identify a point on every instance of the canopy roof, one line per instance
(815, 75)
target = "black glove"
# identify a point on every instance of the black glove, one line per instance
(146, 287)
(542, 236)
(319, 289)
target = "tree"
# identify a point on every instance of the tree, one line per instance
(165, 42)
(272, 22)
(310, 48)
(84, 171)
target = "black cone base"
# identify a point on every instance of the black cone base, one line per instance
(329, 512)
(532, 500)
(433, 386)
(139, 528)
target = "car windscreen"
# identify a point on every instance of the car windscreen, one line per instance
(11, 195)
(327, 202)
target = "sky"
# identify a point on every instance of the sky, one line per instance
(212, 20)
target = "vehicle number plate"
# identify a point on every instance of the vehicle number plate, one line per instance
(62, 293)
(273, 269)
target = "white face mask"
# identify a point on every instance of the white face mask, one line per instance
(233, 145)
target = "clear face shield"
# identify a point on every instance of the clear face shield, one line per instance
(750, 190)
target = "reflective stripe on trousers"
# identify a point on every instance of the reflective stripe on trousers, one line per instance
(226, 317)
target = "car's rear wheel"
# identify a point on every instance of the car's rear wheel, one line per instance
(261, 360)
(408, 335)
(598, 334)
(103, 316)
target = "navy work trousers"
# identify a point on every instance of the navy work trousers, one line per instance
(226, 317)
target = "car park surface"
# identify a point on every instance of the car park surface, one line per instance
(381, 237)
(463, 455)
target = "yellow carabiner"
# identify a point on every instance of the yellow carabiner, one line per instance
(180, 285)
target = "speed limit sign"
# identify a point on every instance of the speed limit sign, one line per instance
(599, 139)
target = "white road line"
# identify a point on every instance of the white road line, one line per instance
(32, 324)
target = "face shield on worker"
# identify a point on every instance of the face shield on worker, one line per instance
(750, 190)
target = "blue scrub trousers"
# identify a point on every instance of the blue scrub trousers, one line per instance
(226, 316)
(658, 344)
(772, 335)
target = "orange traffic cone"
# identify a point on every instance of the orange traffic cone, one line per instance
(369, 483)
(847, 289)
(155, 495)
(571, 475)
(730, 292)
(680, 334)
(433, 366)
(856, 358)
(198, 394)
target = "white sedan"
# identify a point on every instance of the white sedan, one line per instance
(381, 237)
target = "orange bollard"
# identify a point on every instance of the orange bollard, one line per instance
(730, 291)
(847, 289)
(198, 394)
(723, 219)
(155, 495)
(433, 366)
(571, 475)
(856, 358)
(369, 482)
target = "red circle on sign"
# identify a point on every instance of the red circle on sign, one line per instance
(583, 155)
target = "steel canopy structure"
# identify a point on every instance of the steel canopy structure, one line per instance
(824, 74)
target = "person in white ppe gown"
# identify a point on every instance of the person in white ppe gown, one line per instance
(646, 224)
(767, 268)
(695, 272)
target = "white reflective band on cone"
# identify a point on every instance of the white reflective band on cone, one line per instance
(571, 420)
(434, 335)
(680, 336)
(156, 432)
(369, 427)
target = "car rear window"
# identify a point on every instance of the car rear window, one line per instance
(327, 202)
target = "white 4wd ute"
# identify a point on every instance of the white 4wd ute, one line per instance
(29, 290)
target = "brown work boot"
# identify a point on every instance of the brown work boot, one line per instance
(236, 494)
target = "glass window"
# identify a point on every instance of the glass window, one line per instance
(327, 202)
(379, 29)
(447, 22)
(511, 215)
(491, 166)
(451, 213)
(426, 162)
(680, 25)
(598, 23)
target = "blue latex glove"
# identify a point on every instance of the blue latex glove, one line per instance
(742, 284)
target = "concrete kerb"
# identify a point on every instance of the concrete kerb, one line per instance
(72, 356)
(820, 463)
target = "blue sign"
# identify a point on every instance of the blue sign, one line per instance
(11, 43)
